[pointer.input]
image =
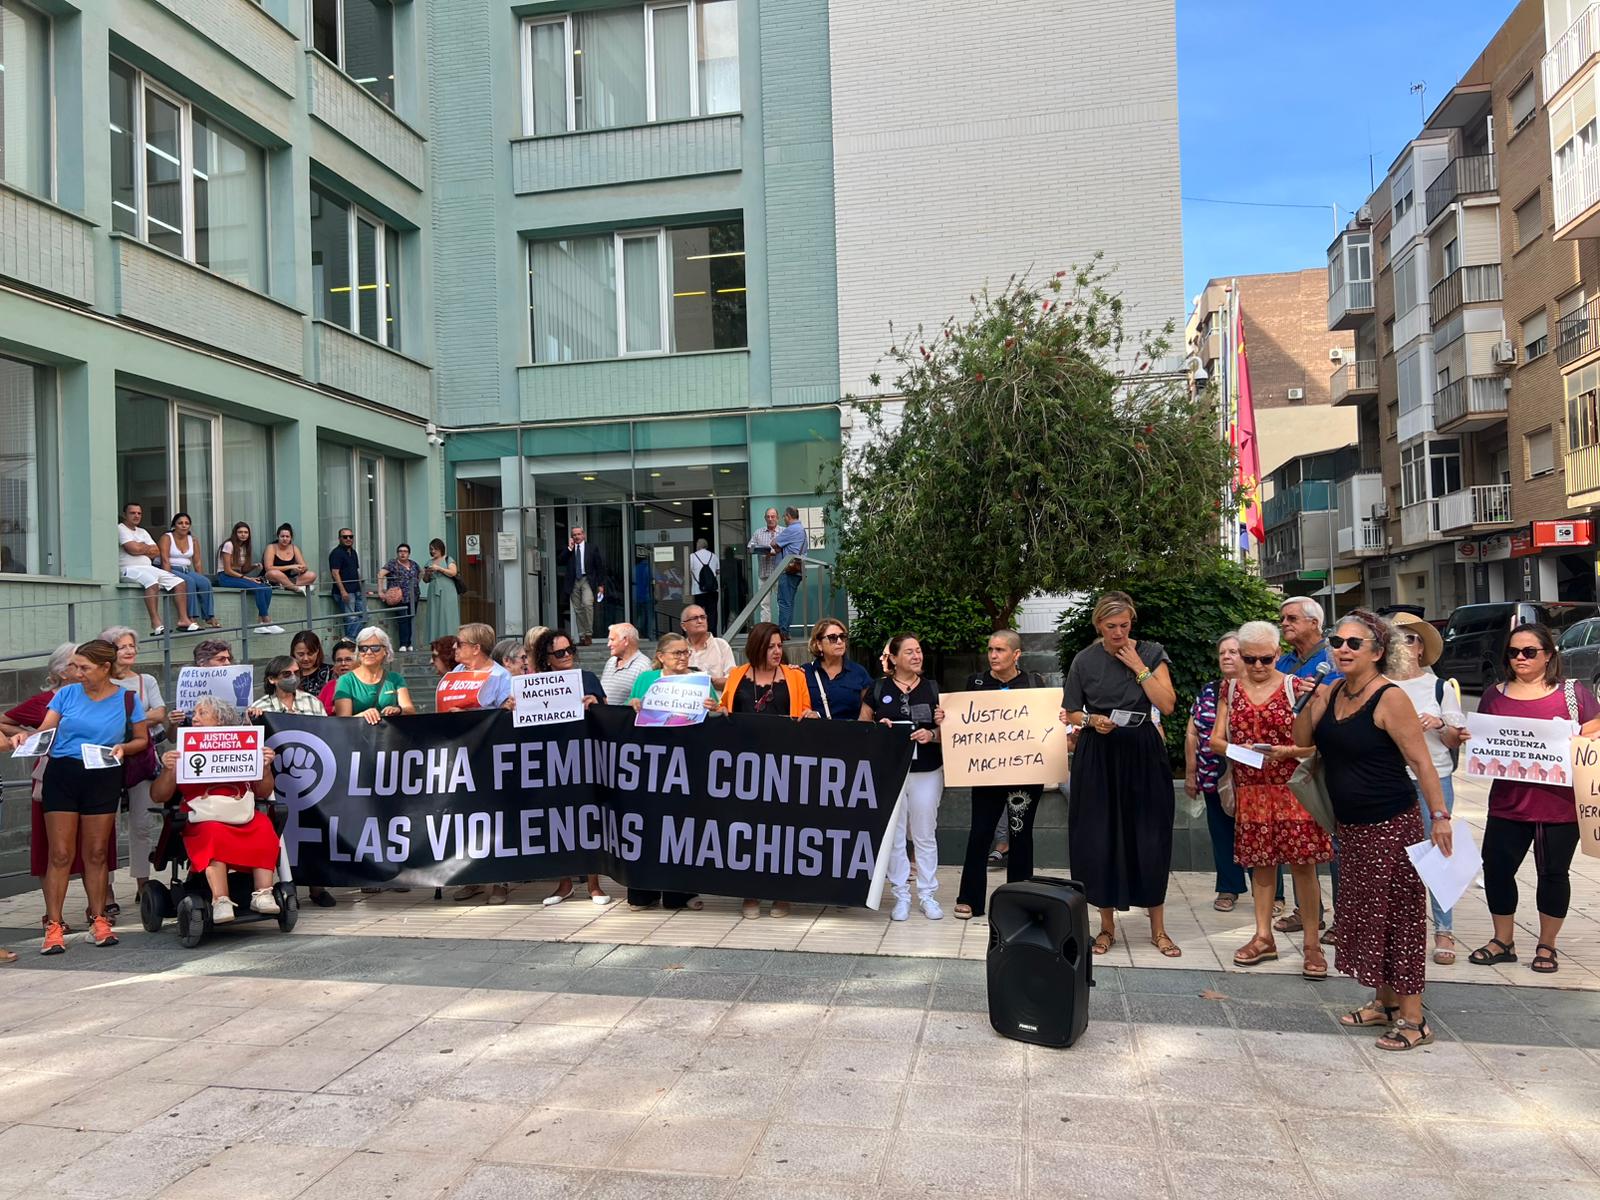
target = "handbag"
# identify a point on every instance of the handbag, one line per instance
(393, 597)
(145, 765)
(461, 588)
(221, 808)
(1311, 790)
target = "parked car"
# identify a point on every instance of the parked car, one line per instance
(1475, 636)
(1579, 644)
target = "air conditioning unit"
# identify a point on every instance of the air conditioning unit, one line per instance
(1297, 393)
(1504, 353)
(1336, 355)
(1380, 511)
(1364, 215)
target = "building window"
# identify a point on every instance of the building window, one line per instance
(364, 492)
(1572, 318)
(1429, 469)
(357, 36)
(645, 291)
(354, 256)
(1573, 130)
(184, 182)
(1523, 105)
(30, 536)
(173, 456)
(1583, 411)
(1535, 335)
(1529, 216)
(1405, 285)
(629, 66)
(1452, 256)
(1539, 448)
(25, 103)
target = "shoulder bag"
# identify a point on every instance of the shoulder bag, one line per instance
(145, 765)
(222, 808)
(1311, 790)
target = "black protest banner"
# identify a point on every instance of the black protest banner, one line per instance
(737, 806)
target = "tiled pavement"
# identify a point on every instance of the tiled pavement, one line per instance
(349, 1066)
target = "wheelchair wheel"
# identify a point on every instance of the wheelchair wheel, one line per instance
(288, 906)
(152, 906)
(191, 922)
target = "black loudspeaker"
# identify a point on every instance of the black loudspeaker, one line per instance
(1039, 961)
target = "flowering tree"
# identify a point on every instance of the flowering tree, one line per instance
(1029, 455)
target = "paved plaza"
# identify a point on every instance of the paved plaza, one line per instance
(398, 1047)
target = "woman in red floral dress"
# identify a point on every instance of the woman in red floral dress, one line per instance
(1270, 826)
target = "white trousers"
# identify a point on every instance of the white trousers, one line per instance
(142, 818)
(919, 814)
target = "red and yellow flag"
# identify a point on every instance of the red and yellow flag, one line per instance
(1247, 478)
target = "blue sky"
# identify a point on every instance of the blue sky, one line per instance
(1282, 100)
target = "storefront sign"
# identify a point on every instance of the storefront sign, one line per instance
(1522, 543)
(1494, 548)
(219, 754)
(1003, 738)
(1563, 533)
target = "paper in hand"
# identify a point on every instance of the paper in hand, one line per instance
(36, 746)
(1245, 756)
(98, 758)
(1448, 877)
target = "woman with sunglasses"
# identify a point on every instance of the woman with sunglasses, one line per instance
(370, 690)
(1203, 774)
(1444, 727)
(1524, 813)
(1119, 815)
(834, 680)
(1271, 829)
(553, 650)
(1367, 732)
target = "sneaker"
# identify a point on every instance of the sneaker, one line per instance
(221, 910)
(101, 931)
(322, 898)
(467, 891)
(931, 909)
(263, 901)
(55, 938)
(264, 629)
(274, 628)
(902, 909)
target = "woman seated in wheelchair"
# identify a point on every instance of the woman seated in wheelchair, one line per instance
(225, 831)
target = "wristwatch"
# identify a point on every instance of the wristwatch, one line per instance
(1440, 816)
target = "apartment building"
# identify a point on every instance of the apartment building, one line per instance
(215, 292)
(1466, 276)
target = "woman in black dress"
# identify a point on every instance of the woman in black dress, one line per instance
(1119, 819)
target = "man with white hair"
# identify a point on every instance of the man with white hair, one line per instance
(624, 665)
(1300, 618)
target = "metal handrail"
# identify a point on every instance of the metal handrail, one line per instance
(742, 619)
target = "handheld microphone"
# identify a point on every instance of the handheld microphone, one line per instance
(1322, 671)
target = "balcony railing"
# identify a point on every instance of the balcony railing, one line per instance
(1464, 285)
(1578, 334)
(1486, 505)
(1577, 187)
(1571, 50)
(1353, 379)
(1309, 495)
(1351, 298)
(1583, 470)
(1466, 176)
(1470, 396)
(1365, 537)
(1419, 523)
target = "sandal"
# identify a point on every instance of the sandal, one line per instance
(1544, 960)
(1290, 923)
(1397, 1038)
(1103, 941)
(1445, 956)
(963, 912)
(1224, 902)
(1314, 966)
(1256, 950)
(751, 909)
(7, 957)
(1168, 947)
(1370, 1013)
(1485, 957)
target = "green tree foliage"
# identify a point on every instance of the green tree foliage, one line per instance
(943, 622)
(1186, 613)
(1033, 454)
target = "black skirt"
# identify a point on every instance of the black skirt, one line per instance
(1119, 821)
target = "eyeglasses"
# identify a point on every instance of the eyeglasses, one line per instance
(1353, 643)
(1412, 639)
(695, 617)
(680, 653)
(561, 652)
(1257, 660)
(836, 637)
(347, 537)
(370, 649)
(1524, 651)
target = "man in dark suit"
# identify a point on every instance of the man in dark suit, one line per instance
(583, 583)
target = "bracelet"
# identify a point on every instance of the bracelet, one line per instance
(1143, 675)
(1440, 816)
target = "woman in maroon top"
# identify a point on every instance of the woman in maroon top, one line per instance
(1525, 813)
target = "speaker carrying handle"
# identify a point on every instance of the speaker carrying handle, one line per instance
(1070, 950)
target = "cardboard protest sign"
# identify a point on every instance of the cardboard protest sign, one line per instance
(1519, 749)
(219, 754)
(1004, 738)
(1586, 791)
(231, 684)
(547, 698)
(675, 700)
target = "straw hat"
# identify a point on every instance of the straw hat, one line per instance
(1432, 643)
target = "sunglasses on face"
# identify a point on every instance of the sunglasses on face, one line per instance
(1524, 651)
(1352, 643)
(369, 649)
(835, 637)
(1411, 639)
(1257, 661)
(561, 652)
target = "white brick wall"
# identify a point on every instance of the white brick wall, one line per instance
(971, 142)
